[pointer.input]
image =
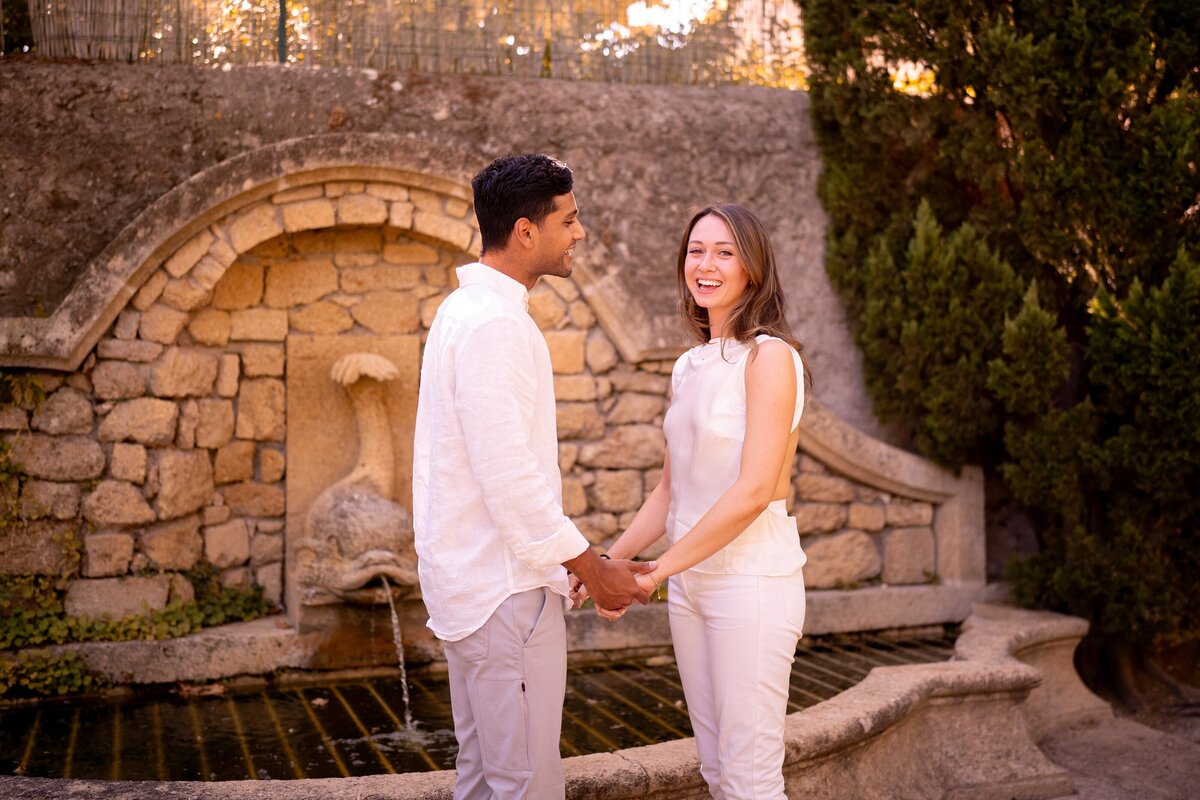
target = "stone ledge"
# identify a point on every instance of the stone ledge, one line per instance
(928, 730)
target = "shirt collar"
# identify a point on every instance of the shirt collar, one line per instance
(478, 273)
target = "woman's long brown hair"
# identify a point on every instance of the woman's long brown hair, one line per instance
(761, 309)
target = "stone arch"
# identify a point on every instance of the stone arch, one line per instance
(173, 228)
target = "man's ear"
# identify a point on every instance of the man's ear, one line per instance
(525, 232)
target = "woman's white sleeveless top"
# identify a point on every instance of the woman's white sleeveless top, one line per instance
(705, 428)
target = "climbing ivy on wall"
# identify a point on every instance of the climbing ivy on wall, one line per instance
(1013, 193)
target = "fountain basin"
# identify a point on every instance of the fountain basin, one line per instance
(958, 729)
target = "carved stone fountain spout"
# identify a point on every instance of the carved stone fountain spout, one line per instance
(355, 531)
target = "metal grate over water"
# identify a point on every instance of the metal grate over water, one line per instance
(356, 727)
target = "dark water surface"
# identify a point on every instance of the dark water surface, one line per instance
(355, 727)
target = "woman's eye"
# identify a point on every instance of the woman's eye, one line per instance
(726, 253)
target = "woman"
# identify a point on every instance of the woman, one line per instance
(736, 599)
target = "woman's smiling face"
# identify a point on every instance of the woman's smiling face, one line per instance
(713, 270)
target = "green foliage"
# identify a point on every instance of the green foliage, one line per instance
(32, 614)
(1054, 147)
(40, 673)
(928, 331)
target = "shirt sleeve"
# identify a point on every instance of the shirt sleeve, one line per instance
(495, 398)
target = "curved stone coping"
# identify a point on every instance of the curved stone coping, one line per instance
(958, 526)
(63, 339)
(945, 730)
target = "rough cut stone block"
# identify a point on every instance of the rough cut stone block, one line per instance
(806, 463)
(117, 597)
(128, 463)
(579, 421)
(116, 503)
(574, 497)
(186, 256)
(413, 253)
(259, 324)
(227, 545)
(866, 517)
(136, 350)
(581, 316)
(214, 427)
(262, 360)
(150, 291)
(840, 561)
(566, 350)
(240, 287)
(574, 387)
(208, 272)
(13, 418)
(323, 318)
(617, 490)
(439, 226)
(388, 312)
(227, 375)
(299, 193)
(107, 554)
(185, 481)
(568, 454)
(400, 215)
(254, 500)
(817, 517)
(360, 280)
(162, 324)
(307, 215)
(266, 548)
(597, 527)
(126, 326)
(270, 578)
(361, 209)
(271, 465)
(182, 590)
(387, 191)
(183, 372)
(635, 407)
(824, 488)
(116, 380)
(457, 207)
(908, 556)
(185, 294)
(210, 327)
(57, 458)
(65, 411)
(601, 355)
(261, 410)
(626, 447)
(429, 309)
(215, 515)
(236, 578)
(189, 418)
(625, 380)
(173, 545)
(295, 283)
(41, 499)
(254, 227)
(38, 547)
(235, 462)
(908, 513)
(546, 308)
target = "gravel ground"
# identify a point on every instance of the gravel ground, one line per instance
(1148, 756)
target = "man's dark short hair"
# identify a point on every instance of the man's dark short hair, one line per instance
(512, 187)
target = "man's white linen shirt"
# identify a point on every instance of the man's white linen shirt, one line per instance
(487, 490)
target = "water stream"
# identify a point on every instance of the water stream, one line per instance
(398, 639)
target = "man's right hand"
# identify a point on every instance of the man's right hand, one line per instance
(611, 583)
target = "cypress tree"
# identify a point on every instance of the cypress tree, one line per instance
(1014, 201)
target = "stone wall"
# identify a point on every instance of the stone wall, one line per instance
(172, 443)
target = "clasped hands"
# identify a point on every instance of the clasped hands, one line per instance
(609, 604)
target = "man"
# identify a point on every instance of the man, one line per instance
(491, 536)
